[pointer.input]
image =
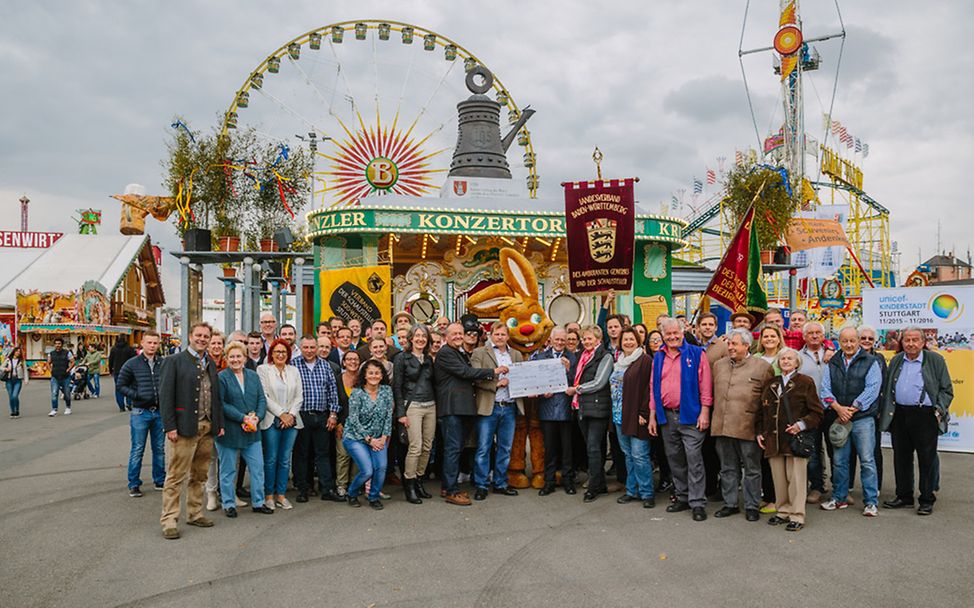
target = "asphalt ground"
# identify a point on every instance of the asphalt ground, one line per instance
(71, 536)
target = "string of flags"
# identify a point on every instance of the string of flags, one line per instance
(843, 135)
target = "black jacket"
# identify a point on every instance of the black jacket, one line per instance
(139, 381)
(596, 402)
(179, 386)
(340, 385)
(454, 380)
(412, 381)
(118, 356)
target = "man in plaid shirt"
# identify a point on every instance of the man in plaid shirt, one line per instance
(319, 413)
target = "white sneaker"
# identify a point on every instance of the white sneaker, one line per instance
(285, 504)
(870, 511)
(52, 414)
(341, 491)
(834, 504)
(241, 503)
(212, 503)
(67, 411)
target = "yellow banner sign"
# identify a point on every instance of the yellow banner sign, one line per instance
(357, 293)
(805, 234)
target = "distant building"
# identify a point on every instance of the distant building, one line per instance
(83, 289)
(946, 267)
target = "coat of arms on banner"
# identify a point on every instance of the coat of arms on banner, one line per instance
(459, 187)
(601, 239)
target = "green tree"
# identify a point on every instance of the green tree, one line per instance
(773, 207)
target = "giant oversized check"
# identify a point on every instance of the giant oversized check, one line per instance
(537, 378)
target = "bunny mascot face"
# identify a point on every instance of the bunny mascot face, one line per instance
(515, 302)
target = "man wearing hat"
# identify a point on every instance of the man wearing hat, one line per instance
(402, 320)
(742, 319)
(456, 404)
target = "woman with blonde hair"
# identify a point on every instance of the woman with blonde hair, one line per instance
(769, 343)
(244, 404)
(592, 399)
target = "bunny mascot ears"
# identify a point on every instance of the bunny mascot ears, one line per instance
(520, 285)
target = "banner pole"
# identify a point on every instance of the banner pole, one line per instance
(869, 279)
(726, 253)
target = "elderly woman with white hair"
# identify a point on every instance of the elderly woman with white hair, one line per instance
(790, 405)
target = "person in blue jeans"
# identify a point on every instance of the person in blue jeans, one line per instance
(244, 404)
(279, 428)
(138, 381)
(496, 414)
(60, 361)
(367, 429)
(630, 387)
(93, 361)
(15, 372)
(850, 388)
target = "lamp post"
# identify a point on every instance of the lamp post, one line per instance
(299, 294)
(312, 139)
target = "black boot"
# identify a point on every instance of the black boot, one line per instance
(409, 487)
(420, 490)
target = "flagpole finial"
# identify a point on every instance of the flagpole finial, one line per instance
(597, 157)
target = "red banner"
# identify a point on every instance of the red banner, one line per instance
(737, 280)
(600, 224)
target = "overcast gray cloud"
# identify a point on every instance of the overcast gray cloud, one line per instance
(90, 89)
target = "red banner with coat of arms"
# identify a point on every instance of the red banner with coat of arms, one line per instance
(601, 225)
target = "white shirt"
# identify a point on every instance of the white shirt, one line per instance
(503, 358)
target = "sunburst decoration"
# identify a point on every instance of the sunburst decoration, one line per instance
(380, 160)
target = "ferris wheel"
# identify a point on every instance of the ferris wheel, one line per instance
(376, 102)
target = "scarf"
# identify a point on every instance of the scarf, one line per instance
(582, 362)
(623, 362)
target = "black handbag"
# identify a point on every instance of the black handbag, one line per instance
(802, 444)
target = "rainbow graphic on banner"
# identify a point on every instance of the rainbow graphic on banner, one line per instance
(946, 307)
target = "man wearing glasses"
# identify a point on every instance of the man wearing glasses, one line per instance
(268, 332)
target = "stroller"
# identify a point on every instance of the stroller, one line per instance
(79, 382)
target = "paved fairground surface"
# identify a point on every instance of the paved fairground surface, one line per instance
(71, 536)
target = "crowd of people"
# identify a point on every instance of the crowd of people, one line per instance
(679, 410)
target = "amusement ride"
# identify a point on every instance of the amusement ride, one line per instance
(823, 171)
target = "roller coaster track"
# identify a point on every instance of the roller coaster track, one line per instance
(704, 218)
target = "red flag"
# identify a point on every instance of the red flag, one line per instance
(737, 281)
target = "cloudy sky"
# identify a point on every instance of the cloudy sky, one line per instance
(90, 89)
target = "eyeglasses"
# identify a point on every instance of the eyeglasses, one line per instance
(267, 321)
(867, 339)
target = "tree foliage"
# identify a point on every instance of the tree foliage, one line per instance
(773, 207)
(234, 182)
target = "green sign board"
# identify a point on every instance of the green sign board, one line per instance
(360, 220)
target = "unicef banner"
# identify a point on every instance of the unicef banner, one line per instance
(946, 315)
(944, 309)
